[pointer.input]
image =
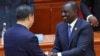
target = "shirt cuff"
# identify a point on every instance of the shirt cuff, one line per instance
(59, 54)
(46, 53)
(88, 17)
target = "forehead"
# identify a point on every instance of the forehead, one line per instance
(67, 7)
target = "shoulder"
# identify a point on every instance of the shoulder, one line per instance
(20, 32)
(83, 23)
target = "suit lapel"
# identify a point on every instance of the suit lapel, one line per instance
(74, 31)
(65, 34)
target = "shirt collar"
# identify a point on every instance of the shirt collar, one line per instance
(73, 23)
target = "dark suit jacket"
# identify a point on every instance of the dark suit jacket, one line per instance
(8, 13)
(19, 41)
(94, 6)
(91, 7)
(81, 42)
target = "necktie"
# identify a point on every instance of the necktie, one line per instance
(69, 31)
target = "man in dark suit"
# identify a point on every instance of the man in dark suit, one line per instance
(74, 36)
(91, 11)
(7, 11)
(18, 40)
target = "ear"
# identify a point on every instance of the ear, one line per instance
(29, 17)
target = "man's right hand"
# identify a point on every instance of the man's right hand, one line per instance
(93, 21)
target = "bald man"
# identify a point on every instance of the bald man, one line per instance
(74, 36)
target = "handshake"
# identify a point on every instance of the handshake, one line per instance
(50, 54)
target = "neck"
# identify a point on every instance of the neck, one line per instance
(72, 20)
(23, 23)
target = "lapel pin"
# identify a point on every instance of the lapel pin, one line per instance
(75, 28)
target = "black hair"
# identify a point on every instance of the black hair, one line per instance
(23, 11)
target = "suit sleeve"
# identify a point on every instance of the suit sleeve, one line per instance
(57, 46)
(84, 41)
(85, 6)
(34, 48)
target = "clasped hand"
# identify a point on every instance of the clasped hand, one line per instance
(50, 54)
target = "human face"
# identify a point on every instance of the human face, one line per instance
(68, 13)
